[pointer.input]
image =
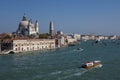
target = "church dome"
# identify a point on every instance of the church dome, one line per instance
(23, 24)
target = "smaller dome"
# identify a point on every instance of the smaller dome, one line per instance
(23, 24)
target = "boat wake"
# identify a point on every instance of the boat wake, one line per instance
(56, 72)
(61, 75)
(79, 49)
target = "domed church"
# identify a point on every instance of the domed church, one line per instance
(27, 28)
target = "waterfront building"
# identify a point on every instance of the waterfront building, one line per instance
(85, 37)
(27, 28)
(100, 37)
(113, 37)
(106, 37)
(60, 39)
(6, 45)
(71, 39)
(77, 36)
(92, 37)
(27, 45)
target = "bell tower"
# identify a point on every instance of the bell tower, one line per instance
(36, 26)
(51, 30)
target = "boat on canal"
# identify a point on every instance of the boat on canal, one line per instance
(92, 64)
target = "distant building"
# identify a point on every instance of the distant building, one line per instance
(113, 37)
(100, 37)
(106, 37)
(71, 39)
(77, 36)
(61, 41)
(60, 33)
(92, 37)
(27, 28)
(85, 37)
(60, 38)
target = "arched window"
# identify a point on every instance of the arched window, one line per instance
(38, 47)
(22, 49)
(16, 49)
(28, 48)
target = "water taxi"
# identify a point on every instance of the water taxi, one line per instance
(92, 64)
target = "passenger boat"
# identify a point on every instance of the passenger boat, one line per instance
(92, 64)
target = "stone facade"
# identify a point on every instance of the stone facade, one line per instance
(30, 45)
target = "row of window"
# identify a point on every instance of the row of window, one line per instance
(33, 44)
(33, 48)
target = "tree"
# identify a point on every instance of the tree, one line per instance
(44, 36)
(7, 37)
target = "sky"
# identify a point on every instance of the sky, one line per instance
(100, 17)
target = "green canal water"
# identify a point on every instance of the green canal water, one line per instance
(64, 63)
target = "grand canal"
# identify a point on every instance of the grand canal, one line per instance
(64, 63)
